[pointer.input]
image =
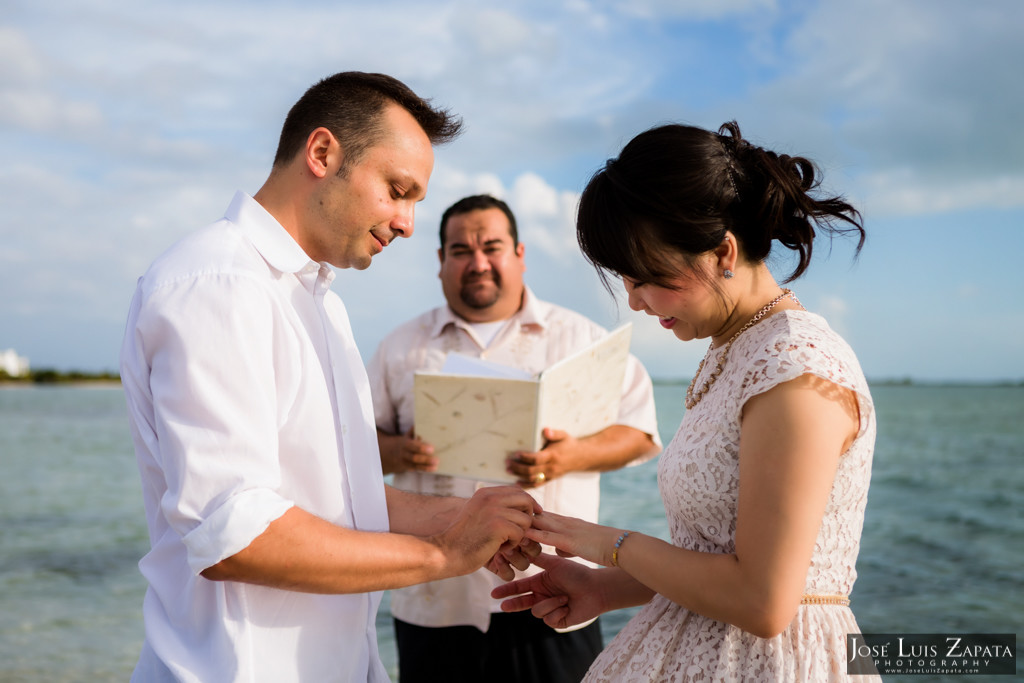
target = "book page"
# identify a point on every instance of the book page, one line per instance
(475, 423)
(581, 394)
(461, 364)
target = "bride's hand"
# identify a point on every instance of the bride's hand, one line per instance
(573, 537)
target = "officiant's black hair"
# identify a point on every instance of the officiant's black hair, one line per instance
(479, 202)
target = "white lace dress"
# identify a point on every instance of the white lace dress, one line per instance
(699, 477)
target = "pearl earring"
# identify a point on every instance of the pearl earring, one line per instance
(728, 274)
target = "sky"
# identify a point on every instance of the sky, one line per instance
(123, 126)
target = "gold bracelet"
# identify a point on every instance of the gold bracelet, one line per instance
(841, 600)
(615, 550)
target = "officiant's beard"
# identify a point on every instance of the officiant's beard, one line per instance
(480, 297)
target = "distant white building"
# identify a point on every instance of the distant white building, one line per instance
(13, 364)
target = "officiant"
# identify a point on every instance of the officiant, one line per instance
(491, 313)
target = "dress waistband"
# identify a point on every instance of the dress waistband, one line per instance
(825, 600)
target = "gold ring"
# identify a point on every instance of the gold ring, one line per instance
(541, 477)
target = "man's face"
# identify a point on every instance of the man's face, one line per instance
(481, 271)
(355, 215)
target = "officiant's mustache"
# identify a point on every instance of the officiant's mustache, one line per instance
(474, 278)
(480, 298)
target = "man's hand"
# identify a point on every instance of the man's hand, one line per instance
(518, 556)
(555, 460)
(568, 593)
(402, 453)
(490, 530)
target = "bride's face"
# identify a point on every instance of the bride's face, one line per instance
(686, 304)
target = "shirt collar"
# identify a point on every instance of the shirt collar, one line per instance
(528, 315)
(272, 241)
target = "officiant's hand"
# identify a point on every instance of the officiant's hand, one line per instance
(609, 449)
(404, 453)
(556, 459)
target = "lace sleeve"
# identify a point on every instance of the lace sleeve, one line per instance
(796, 343)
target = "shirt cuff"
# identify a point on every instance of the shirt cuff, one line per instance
(232, 527)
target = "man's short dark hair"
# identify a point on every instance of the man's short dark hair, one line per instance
(479, 202)
(349, 104)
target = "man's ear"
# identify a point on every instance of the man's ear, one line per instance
(322, 152)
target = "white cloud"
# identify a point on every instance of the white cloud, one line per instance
(546, 215)
(25, 99)
(448, 185)
(43, 112)
(497, 34)
(21, 61)
(691, 9)
(912, 97)
(125, 125)
(904, 191)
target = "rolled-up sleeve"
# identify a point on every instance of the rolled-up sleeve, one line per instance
(216, 411)
(232, 526)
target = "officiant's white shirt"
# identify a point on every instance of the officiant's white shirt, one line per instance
(537, 336)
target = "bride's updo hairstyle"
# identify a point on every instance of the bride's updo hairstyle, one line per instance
(678, 188)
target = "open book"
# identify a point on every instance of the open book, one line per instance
(478, 414)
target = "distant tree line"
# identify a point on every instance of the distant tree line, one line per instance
(53, 376)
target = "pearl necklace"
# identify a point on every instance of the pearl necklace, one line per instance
(692, 398)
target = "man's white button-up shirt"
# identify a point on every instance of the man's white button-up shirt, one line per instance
(247, 396)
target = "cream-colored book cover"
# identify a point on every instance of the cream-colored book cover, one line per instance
(475, 421)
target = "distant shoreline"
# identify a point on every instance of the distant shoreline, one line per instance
(51, 377)
(26, 384)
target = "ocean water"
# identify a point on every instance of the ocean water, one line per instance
(943, 545)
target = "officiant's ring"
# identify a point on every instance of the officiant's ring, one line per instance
(541, 478)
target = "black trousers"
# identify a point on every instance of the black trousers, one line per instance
(517, 648)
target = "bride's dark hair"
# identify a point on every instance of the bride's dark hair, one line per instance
(680, 188)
